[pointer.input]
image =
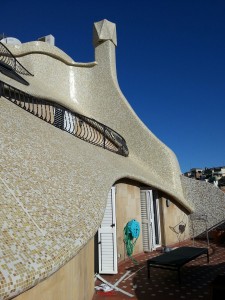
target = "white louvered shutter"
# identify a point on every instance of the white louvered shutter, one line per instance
(69, 122)
(147, 217)
(151, 219)
(145, 222)
(107, 238)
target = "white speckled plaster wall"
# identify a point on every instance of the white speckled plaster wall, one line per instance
(94, 92)
(207, 199)
(53, 185)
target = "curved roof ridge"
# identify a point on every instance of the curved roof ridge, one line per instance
(39, 47)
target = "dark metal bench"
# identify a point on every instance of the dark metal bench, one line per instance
(175, 259)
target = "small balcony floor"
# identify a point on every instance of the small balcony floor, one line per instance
(197, 277)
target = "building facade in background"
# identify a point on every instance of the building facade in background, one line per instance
(215, 175)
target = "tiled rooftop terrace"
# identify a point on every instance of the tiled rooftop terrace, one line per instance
(197, 277)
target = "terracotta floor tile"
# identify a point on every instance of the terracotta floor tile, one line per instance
(197, 277)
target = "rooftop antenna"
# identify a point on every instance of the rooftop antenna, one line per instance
(2, 36)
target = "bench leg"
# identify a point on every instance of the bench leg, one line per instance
(179, 277)
(148, 270)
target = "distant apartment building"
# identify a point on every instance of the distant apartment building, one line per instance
(194, 173)
(215, 175)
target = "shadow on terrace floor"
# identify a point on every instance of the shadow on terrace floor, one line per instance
(197, 277)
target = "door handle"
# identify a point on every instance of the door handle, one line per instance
(113, 225)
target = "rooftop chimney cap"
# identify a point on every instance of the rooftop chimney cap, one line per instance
(48, 39)
(103, 31)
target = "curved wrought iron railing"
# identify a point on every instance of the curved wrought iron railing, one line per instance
(78, 125)
(6, 57)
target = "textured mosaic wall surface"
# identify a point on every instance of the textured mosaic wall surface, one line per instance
(207, 199)
(53, 185)
(51, 202)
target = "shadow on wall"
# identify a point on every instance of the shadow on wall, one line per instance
(179, 229)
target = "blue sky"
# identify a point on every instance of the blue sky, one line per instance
(170, 62)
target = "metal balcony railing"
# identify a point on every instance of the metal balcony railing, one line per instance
(7, 58)
(78, 125)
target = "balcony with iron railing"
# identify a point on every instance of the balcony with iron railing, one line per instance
(80, 126)
(10, 67)
(8, 59)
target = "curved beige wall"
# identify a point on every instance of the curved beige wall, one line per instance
(54, 186)
(74, 281)
(171, 218)
(128, 207)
